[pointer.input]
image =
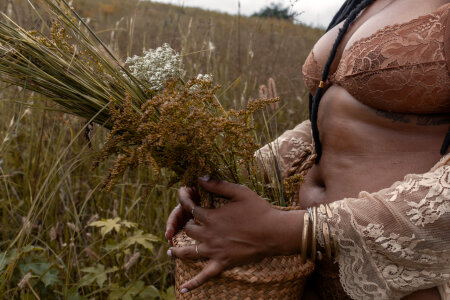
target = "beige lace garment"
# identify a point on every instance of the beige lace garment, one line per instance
(402, 245)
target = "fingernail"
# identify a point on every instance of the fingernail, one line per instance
(169, 253)
(185, 290)
(205, 178)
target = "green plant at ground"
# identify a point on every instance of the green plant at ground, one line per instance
(48, 197)
(36, 273)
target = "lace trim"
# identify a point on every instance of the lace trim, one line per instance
(311, 73)
(392, 27)
(387, 69)
(386, 254)
(434, 204)
(292, 150)
(444, 290)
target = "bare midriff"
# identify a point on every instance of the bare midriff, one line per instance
(365, 149)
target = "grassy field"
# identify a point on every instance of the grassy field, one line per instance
(61, 237)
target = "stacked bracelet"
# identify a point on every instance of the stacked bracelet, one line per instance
(330, 241)
(305, 236)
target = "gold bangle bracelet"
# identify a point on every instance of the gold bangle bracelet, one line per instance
(332, 237)
(305, 236)
(326, 235)
(314, 234)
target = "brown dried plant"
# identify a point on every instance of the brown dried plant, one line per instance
(269, 91)
(186, 130)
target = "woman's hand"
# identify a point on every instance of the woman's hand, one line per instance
(178, 218)
(243, 231)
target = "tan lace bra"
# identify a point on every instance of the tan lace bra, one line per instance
(402, 68)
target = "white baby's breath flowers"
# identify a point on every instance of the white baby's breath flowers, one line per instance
(156, 66)
(204, 77)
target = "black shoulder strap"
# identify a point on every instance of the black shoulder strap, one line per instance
(446, 143)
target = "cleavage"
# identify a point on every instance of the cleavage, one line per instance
(400, 13)
(322, 54)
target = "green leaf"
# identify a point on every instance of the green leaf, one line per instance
(46, 273)
(107, 225)
(126, 293)
(4, 260)
(50, 277)
(27, 296)
(8, 257)
(97, 274)
(169, 294)
(31, 248)
(150, 292)
(75, 296)
(144, 239)
(128, 224)
(110, 244)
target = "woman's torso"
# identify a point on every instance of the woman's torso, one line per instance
(386, 109)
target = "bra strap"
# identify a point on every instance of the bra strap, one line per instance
(446, 143)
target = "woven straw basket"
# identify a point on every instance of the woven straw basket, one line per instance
(278, 277)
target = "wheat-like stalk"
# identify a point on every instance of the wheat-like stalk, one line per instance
(69, 65)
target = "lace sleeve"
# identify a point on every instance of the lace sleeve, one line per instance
(395, 241)
(291, 150)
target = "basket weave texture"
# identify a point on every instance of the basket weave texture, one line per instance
(278, 277)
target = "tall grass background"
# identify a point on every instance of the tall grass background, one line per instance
(51, 205)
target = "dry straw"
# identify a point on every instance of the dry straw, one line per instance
(269, 91)
(67, 63)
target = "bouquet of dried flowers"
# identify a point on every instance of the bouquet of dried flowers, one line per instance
(184, 128)
(155, 118)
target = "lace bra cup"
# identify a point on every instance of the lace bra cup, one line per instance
(402, 68)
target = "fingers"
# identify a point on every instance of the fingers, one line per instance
(185, 198)
(222, 188)
(188, 252)
(195, 231)
(173, 222)
(212, 269)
